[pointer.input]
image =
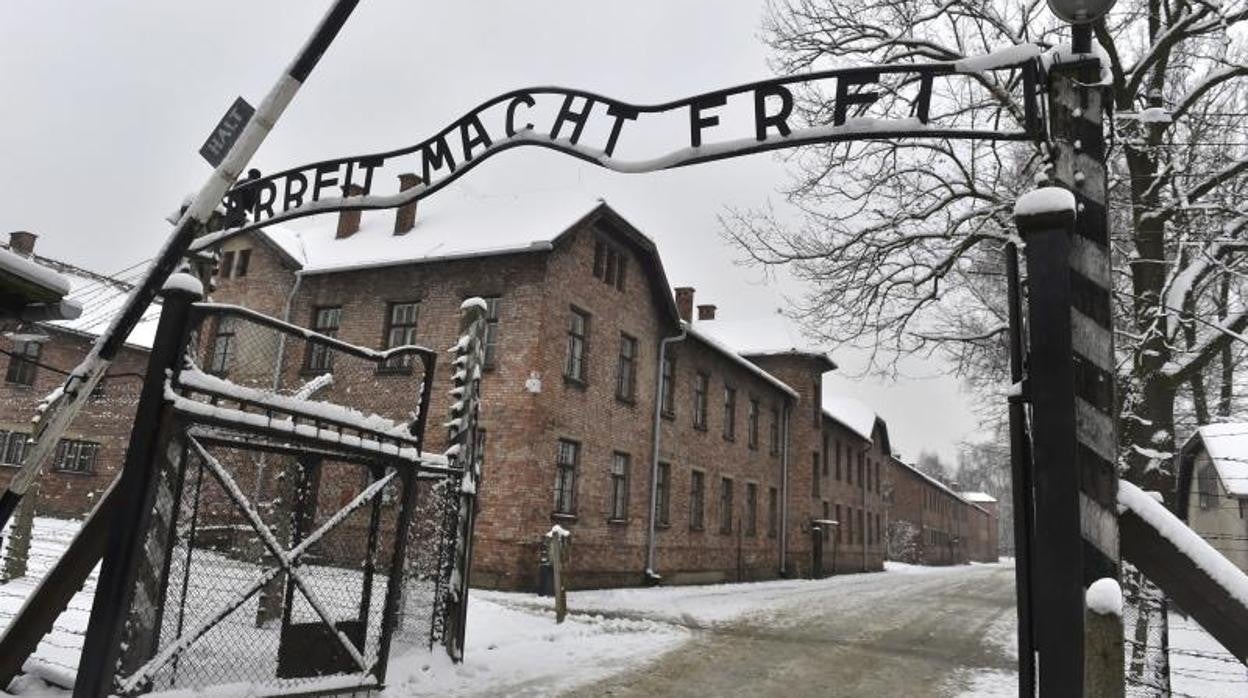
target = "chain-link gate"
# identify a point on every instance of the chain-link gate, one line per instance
(289, 537)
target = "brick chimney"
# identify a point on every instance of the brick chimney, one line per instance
(22, 242)
(684, 303)
(405, 217)
(349, 220)
(706, 312)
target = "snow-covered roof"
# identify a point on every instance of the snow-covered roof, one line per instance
(1227, 446)
(982, 497)
(101, 298)
(729, 351)
(852, 413)
(454, 225)
(769, 335)
(33, 272)
(942, 486)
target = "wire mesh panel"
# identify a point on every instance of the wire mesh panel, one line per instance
(1168, 652)
(287, 489)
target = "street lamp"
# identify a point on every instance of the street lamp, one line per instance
(1080, 11)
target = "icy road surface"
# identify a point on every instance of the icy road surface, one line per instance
(908, 632)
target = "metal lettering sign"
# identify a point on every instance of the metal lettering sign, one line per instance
(877, 102)
(228, 128)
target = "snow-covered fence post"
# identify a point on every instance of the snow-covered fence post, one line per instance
(142, 493)
(461, 454)
(557, 539)
(1104, 675)
(1045, 219)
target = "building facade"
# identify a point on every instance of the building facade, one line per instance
(675, 448)
(1213, 488)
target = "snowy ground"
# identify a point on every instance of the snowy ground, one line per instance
(948, 630)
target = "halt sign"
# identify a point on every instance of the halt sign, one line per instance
(227, 131)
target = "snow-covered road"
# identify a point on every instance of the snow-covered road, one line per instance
(910, 631)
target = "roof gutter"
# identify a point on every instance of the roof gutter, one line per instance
(651, 575)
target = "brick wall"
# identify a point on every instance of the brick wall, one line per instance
(106, 419)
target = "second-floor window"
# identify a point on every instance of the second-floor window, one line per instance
(491, 330)
(222, 345)
(23, 363)
(752, 424)
(814, 473)
(701, 386)
(774, 435)
(567, 456)
(325, 321)
(725, 505)
(626, 371)
(667, 386)
(578, 329)
(610, 264)
(13, 447)
(730, 413)
(697, 499)
(400, 331)
(619, 486)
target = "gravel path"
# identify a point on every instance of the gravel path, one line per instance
(942, 634)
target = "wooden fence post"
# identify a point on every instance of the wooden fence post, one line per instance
(1103, 670)
(558, 536)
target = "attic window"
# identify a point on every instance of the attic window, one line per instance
(610, 264)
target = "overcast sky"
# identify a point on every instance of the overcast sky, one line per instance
(106, 104)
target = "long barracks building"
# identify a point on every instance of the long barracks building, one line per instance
(604, 399)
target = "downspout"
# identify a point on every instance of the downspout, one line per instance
(650, 573)
(866, 529)
(784, 491)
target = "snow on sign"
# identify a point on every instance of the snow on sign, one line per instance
(227, 131)
(871, 102)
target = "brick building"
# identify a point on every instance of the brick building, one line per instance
(984, 538)
(604, 397)
(931, 524)
(35, 358)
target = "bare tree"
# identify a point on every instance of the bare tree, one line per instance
(901, 241)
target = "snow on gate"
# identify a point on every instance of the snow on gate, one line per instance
(292, 536)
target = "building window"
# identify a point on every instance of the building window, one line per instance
(400, 331)
(222, 345)
(325, 321)
(15, 448)
(730, 413)
(751, 509)
(701, 386)
(837, 453)
(816, 404)
(227, 265)
(697, 500)
(861, 460)
(1206, 482)
(626, 371)
(774, 435)
(578, 328)
(609, 264)
(839, 523)
(566, 458)
(667, 385)
(75, 456)
(619, 486)
(827, 514)
(244, 261)
(662, 494)
(849, 521)
(861, 523)
(491, 330)
(773, 512)
(751, 423)
(23, 363)
(879, 532)
(725, 505)
(824, 455)
(814, 474)
(849, 466)
(870, 532)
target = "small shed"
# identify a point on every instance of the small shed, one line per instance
(1213, 487)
